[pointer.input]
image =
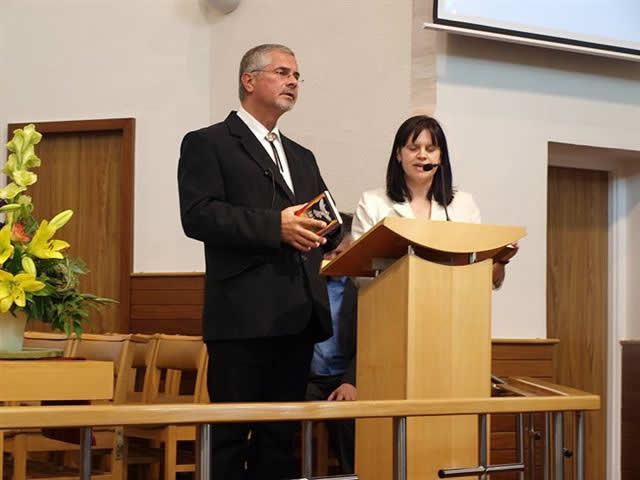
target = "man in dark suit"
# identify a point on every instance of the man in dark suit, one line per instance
(240, 183)
(333, 366)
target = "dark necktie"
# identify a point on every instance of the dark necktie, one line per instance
(271, 138)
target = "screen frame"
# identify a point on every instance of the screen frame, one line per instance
(529, 35)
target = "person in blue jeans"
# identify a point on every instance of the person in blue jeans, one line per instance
(333, 366)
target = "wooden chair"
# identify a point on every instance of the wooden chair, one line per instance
(58, 341)
(143, 348)
(173, 358)
(32, 339)
(114, 348)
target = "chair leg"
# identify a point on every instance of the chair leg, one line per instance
(1, 454)
(154, 468)
(125, 457)
(118, 463)
(170, 453)
(321, 449)
(20, 457)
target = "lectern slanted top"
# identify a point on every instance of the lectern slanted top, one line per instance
(391, 237)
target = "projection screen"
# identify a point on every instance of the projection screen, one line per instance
(612, 25)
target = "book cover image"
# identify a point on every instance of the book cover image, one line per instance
(323, 208)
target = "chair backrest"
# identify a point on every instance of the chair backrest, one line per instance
(57, 341)
(177, 370)
(111, 347)
(143, 348)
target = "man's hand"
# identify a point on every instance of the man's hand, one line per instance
(346, 391)
(297, 231)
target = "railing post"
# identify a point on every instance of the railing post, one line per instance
(580, 445)
(203, 451)
(85, 453)
(520, 442)
(307, 449)
(532, 447)
(558, 445)
(399, 448)
(547, 444)
(482, 443)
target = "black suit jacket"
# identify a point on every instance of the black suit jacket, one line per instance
(231, 195)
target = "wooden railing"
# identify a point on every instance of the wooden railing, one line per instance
(205, 415)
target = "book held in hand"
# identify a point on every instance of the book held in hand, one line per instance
(322, 208)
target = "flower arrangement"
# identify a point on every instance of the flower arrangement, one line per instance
(35, 276)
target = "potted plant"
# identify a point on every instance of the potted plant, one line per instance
(37, 279)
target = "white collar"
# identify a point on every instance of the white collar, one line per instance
(403, 209)
(258, 129)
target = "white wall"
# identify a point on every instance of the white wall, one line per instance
(500, 105)
(172, 65)
(148, 59)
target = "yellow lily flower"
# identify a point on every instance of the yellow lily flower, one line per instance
(42, 246)
(10, 191)
(28, 265)
(13, 289)
(23, 178)
(61, 219)
(10, 207)
(23, 138)
(11, 165)
(29, 158)
(6, 248)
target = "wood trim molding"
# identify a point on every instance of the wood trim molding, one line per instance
(525, 341)
(128, 128)
(166, 274)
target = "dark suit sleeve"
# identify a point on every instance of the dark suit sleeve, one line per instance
(204, 211)
(350, 373)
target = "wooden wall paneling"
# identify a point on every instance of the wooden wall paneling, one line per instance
(88, 166)
(167, 303)
(577, 296)
(630, 435)
(518, 357)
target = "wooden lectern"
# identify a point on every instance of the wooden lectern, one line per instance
(424, 331)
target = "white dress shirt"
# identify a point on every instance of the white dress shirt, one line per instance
(260, 131)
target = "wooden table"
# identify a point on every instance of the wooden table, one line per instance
(59, 379)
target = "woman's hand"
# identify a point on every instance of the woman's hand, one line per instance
(500, 261)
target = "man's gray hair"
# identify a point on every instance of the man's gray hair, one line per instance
(256, 59)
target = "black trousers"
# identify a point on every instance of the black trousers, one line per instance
(341, 432)
(273, 369)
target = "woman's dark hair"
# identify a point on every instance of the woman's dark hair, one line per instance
(397, 189)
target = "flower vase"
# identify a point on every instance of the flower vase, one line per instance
(12, 331)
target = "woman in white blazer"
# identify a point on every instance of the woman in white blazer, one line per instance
(415, 191)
